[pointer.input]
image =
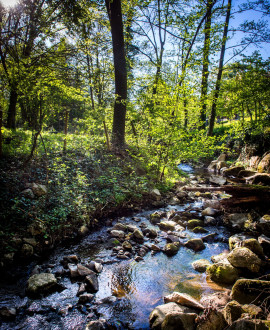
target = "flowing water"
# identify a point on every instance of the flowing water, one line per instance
(128, 290)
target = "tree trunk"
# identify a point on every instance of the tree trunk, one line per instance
(205, 72)
(11, 119)
(120, 71)
(220, 71)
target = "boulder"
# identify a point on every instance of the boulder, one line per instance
(176, 321)
(150, 232)
(254, 162)
(217, 300)
(213, 237)
(195, 244)
(173, 201)
(233, 171)
(138, 235)
(201, 265)
(117, 233)
(184, 300)
(245, 324)
(253, 311)
(27, 250)
(158, 315)
(91, 281)
(199, 229)
(265, 244)
(73, 259)
(167, 225)
(210, 221)
(232, 311)
(221, 157)
(246, 173)
(42, 283)
(212, 166)
(85, 298)
(156, 216)
(126, 245)
(119, 226)
(28, 193)
(264, 225)
(264, 164)
(236, 220)
(260, 179)
(171, 248)
(210, 211)
(219, 257)
(253, 245)
(223, 272)
(155, 194)
(39, 189)
(214, 320)
(83, 271)
(194, 223)
(247, 291)
(83, 230)
(244, 258)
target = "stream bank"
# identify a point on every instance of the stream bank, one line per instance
(135, 263)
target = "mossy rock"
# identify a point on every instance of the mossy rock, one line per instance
(223, 272)
(194, 223)
(254, 246)
(242, 257)
(247, 291)
(232, 311)
(199, 229)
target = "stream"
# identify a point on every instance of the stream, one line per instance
(128, 290)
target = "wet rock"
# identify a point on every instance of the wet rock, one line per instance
(253, 245)
(173, 201)
(214, 320)
(232, 311)
(264, 164)
(264, 225)
(73, 259)
(155, 248)
(91, 281)
(119, 226)
(212, 166)
(83, 271)
(201, 265)
(42, 283)
(210, 238)
(117, 234)
(172, 239)
(85, 298)
(194, 223)
(167, 225)
(176, 321)
(28, 193)
(131, 228)
(184, 300)
(247, 291)
(210, 211)
(233, 171)
(265, 243)
(82, 289)
(218, 180)
(244, 324)
(138, 235)
(27, 250)
(195, 244)
(39, 189)
(155, 194)
(236, 220)
(219, 257)
(7, 313)
(73, 270)
(138, 258)
(158, 315)
(126, 245)
(223, 272)
(150, 232)
(199, 229)
(210, 221)
(156, 216)
(171, 248)
(217, 300)
(236, 240)
(244, 258)
(100, 324)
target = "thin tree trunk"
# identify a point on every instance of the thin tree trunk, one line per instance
(220, 71)
(11, 119)
(205, 70)
(120, 71)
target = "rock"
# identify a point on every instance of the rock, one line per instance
(201, 265)
(232, 311)
(172, 238)
(223, 272)
(244, 324)
(264, 164)
(158, 315)
(156, 216)
(91, 281)
(137, 234)
(212, 166)
(126, 245)
(237, 240)
(82, 289)
(253, 245)
(253, 311)
(260, 179)
(176, 321)
(27, 250)
(83, 230)
(119, 226)
(42, 283)
(210, 238)
(217, 300)
(167, 225)
(246, 173)
(7, 313)
(100, 324)
(194, 223)
(150, 232)
(210, 221)
(85, 298)
(117, 234)
(219, 257)
(28, 193)
(173, 201)
(199, 229)
(195, 244)
(247, 291)
(236, 220)
(214, 320)
(30, 241)
(264, 225)
(131, 227)
(233, 171)
(155, 194)
(184, 300)
(221, 157)
(209, 211)
(73, 259)
(218, 180)
(39, 189)
(244, 258)
(155, 248)
(9, 257)
(265, 243)
(83, 271)
(171, 248)
(37, 228)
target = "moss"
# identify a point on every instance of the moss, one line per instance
(194, 223)
(247, 291)
(222, 273)
(199, 229)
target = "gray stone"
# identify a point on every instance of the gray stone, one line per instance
(236, 220)
(217, 300)
(183, 299)
(219, 257)
(85, 298)
(119, 226)
(171, 248)
(42, 283)
(244, 258)
(137, 234)
(117, 233)
(195, 244)
(209, 211)
(155, 194)
(201, 265)
(167, 225)
(218, 180)
(39, 189)
(265, 243)
(91, 281)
